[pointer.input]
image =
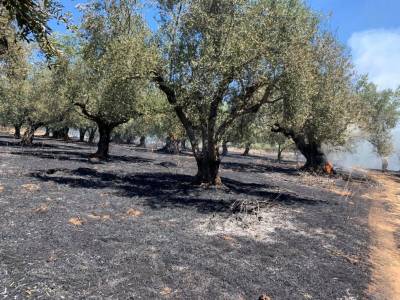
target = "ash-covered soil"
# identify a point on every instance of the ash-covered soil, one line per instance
(135, 228)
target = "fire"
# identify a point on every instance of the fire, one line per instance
(328, 168)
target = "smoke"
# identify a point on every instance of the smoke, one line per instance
(362, 155)
(375, 52)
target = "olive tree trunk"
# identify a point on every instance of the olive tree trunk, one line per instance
(208, 163)
(92, 135)
(171, 145)
(183, 144)
(103, 145)
(224, 148)
(385, 164)
(280, 150)
(29, 134)
(82, 133)
(247, 149)
(142, 142)
(316, 160)
(17, 131)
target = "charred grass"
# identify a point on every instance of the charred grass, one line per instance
(135, 227)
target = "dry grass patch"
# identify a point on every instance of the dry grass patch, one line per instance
(134, 212)
(31, 187)
(166, 291)
(77, 221)
(95, 216)
(327, 183)
(43, 208)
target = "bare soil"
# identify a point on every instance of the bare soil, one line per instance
(384, 221)
(136, 228)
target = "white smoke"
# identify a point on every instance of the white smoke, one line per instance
(376, 53)
(362, 155)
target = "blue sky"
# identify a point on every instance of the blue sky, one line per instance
(350, 16)
(370, 28)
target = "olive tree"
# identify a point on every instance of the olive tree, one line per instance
(32, 94)
(47, 103)
(110, 78)
(319, 103)
(280, 142)
(14, 86)
(246, 130)
(381, 114)
(158, 120)
(232, 53)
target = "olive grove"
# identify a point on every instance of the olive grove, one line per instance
(211, 73)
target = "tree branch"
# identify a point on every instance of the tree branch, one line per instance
(241, 110)
(171, 97)
(85, 111)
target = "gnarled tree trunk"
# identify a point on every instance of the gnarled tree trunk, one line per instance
(82, 132)
(27, 138)
(103, 144)
(171, 145)
(29, 134)
(208, 168)
(142, 142)
(316, 160)
(280, 150)
(17, 131)
(224, 148)
(207, 159)
(183, 144)
(92, 135)
(247, 149)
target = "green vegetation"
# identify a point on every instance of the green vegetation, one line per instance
(380, 115)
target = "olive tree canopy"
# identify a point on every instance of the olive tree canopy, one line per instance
(116, 58)
(380, 115)
(230, 52)
(319, 104)
(31, 18)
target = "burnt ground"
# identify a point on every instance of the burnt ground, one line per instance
(135, 228)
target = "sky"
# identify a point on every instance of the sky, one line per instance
(371, 30)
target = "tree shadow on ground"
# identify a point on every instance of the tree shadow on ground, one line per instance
(58, 155)
(79, 156)
(165, 190)
(17, 144)
(129, 159)
(258, 168)
(39, 144)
